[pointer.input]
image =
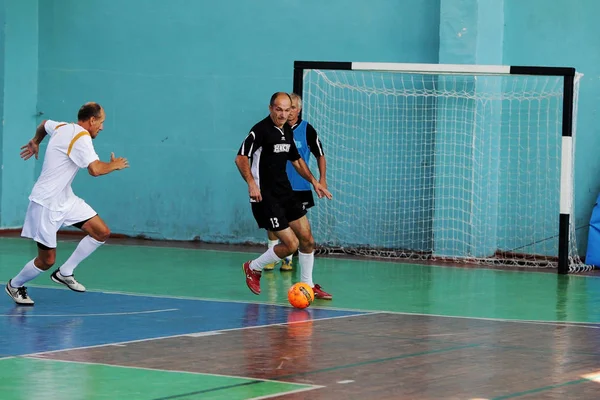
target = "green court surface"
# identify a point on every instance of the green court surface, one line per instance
(401, 330)
(356, 284)
(58, 380)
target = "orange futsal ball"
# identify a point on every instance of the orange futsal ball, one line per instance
(301, 295)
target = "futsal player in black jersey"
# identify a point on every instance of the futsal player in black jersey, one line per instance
(269, 146)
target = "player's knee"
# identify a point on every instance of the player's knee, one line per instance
(103, 234)
(47, 261)
(307, 245)
(293, 245)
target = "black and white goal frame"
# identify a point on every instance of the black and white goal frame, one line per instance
(568, 73)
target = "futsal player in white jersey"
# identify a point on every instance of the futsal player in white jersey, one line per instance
(52, 203)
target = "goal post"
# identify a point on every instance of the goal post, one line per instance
(465, 163)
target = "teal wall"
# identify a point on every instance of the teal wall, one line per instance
(183, 81)
(18, 81)
(2, 57)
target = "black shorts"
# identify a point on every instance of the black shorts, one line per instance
(275, 214)
(305, 197)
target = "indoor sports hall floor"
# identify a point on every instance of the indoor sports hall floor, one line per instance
(166, 322)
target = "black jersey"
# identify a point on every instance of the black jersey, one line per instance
(269, 148)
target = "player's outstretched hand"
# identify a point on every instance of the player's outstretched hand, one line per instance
(322, 192)
(30, 149)
(120, 162)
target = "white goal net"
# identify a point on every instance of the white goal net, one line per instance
(432, 166)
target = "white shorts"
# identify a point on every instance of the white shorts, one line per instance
(42, 224)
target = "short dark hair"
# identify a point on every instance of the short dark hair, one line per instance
(275, 95)
(89, 110)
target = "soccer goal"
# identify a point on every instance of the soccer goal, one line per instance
(464, 163)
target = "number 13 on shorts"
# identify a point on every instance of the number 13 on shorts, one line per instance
(274, 222)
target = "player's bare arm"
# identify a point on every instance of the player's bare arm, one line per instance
(98, 168)
(322, 164)
(304, 172)
(33, 146)
(243, 166)
(316, 148)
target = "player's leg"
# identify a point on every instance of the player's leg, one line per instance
(16, 288)
(85, 218)
(40, 225)
(288, 243)
(286, 262)
(271, 242)
(306, 255)
(270, 216)
(305, 198)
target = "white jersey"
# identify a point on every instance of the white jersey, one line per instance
(69, 148)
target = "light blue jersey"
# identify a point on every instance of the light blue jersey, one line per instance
(307, 142)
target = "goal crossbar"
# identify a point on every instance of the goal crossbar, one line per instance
(437, 68)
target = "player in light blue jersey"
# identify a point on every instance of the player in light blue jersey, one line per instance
(307, 141)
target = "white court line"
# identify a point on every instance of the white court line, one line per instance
(213, 300)
(594, 377)
(170, 370)
(577, 324)
(207, 333)
(580, 324)
(270, 396)
(203, 334)
(90, 315)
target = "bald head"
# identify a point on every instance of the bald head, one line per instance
(279, 96)
(279, 108)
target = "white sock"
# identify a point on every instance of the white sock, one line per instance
(306, 261)
(268, 257)
(86, 247)
(272, 243)
(28, 273)
(289, 258)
